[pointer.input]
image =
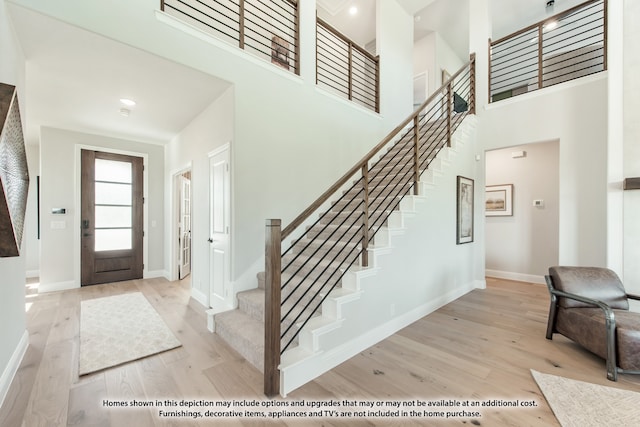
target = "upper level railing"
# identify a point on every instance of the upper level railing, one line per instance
(268, 29)
(344, 67)
(318, 253)
(563, 47)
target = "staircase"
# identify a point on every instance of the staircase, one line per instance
(321, 269)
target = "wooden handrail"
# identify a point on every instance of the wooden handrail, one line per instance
(363, 162)
(555, 17)
(346, 39)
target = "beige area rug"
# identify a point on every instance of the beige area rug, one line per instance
(578, 403)
(119, 329)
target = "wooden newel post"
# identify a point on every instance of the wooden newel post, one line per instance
(273, 269)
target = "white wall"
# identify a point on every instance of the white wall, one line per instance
(213, 128)
(59, 188)
(575, 113)
(394, 31)
(631, 115)
(424, 59)
(32, 252)
(13, 335)
(523, 246)
(285, 127)
(434, 54)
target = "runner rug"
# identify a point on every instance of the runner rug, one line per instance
(578, 403)
(119, 329)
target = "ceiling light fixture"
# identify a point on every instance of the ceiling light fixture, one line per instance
(128, 102)
(549, 7)
(353, 10)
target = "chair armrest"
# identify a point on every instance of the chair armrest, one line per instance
(631, 296)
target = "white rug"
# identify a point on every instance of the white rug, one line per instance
(577, 403)
(118, 329)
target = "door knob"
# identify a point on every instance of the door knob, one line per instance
(210, 240)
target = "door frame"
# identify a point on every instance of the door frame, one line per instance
(174, 202)
(77, 218)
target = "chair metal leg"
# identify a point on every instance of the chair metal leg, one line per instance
(553, 310)
(612, 369)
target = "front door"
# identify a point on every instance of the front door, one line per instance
(112, 219)
(220, 212)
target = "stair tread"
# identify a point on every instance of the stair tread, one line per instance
(246, 325)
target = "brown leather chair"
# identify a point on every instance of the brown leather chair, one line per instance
(590, 306)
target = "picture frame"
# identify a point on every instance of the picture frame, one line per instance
(464, 210)
(498, 200)
(280, 52)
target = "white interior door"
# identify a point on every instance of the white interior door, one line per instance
(219, 241)
(184, 257)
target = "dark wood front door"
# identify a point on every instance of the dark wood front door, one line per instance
(112, 220)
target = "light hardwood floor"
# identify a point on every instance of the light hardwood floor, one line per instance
(480, 347)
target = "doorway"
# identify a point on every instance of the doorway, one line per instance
(184, 225)
(522, 231)
(219, 228)
(111, 217)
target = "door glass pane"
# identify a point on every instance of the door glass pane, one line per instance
(113, 171)
(113, 194)
(113, 216)
(110, 240)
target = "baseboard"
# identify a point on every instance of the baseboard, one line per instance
(58, 286)
(200, 297)
(156, 273)
(299, 373)
(32, 273)
(12, 367)
(518, 277)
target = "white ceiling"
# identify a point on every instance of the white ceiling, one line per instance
(75, 78)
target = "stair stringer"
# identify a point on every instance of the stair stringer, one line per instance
(339, 333)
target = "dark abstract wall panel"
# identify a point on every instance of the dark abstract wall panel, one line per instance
(14, 174)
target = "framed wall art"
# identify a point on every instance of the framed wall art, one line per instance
(464, 217)
(14, 174)
(499, 200)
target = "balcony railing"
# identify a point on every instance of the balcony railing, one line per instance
(567, 46)
(267, 29)
(345, 68)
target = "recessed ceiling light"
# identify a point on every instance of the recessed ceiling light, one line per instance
(353, 10)
(127, 101)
